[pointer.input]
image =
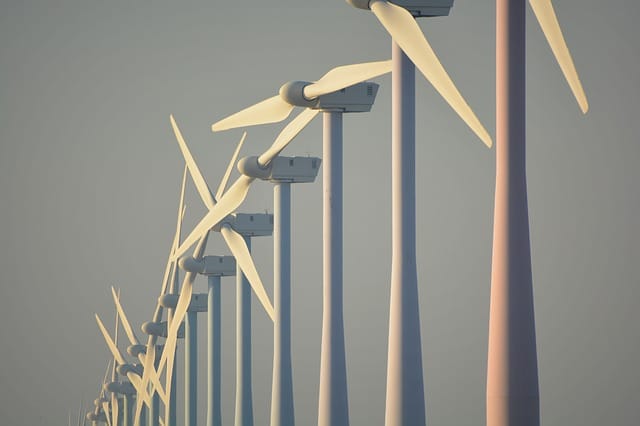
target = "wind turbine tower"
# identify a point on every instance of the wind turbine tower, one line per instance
(127, 390)
(512, 370)
(282, 172)
(214, 268)
(247, 225)
(405, 404)
(341, 90)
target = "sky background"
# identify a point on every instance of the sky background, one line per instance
(90, 174)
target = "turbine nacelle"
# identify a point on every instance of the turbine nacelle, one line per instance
(282, 169)
(220, 266)
(135, 350)
(248, 224)
(123, 388)
(159, 329)
(93, 417)
(418, 8)
(198, 302)
(124, 369)
(356, 98)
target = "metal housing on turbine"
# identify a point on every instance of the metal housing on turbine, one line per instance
(418, 8)
(160, 329)
(282, 169)
(249, 224)
(222, 266)
(356, 98)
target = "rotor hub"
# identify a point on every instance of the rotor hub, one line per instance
(293, 93)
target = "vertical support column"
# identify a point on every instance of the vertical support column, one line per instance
(333, 407)
(244, 399)
(214, 360)
(405, 404)
(154, 410)
(512, 370)
(282, 411)
(143, 415)
(128, 406)
(172, 409)
(191, 368)
(173, 406)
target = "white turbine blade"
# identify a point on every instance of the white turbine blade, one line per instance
(548, 20)
(198, 179)
(345, 76)
(123, 317)
(117, 356)
(115, 333)
(181, 210)
(146, 372)
(226, 205)
(105, 408)
(168, 354)
(234, 158)
(288, 133)
(240, 251)
(106, 374)
(270, 110)
(407, 34)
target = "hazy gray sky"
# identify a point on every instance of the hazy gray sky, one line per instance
(90, 174)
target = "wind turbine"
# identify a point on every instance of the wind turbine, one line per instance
(339, 91)
(190, 335)
(282, 172)
(168, 284)
(405, 403)
(127, 390)
(237, 230)
(235, 241)
(98, 414)
(277, 109)
(136, 349)
(214, 268)
(512, 370)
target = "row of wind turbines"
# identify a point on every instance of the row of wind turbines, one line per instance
(512, 377)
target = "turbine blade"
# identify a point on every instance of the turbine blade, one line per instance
(146, 372)
(196, 176)
(345, 76)
(407, 34)
(169, 352)
(106, 374)
(287, 135)
(226, 205)
(270, 110)
(238, 247)
(234, 158)
(105, 408)
(117, 355)
(115, 332)
(110, 344)
(125, 321)
(181, 210)
(548, 21)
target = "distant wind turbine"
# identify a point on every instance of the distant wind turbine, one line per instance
(405, 404)
(341, 90)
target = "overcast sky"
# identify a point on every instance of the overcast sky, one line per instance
(90, 175)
